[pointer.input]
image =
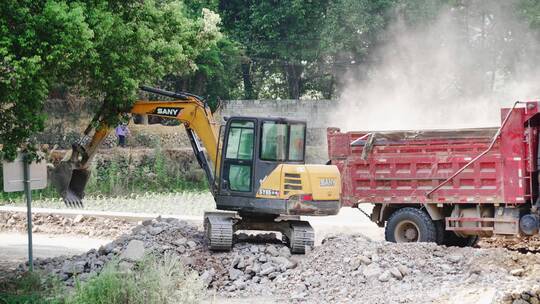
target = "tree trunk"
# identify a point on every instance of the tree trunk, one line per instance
(248, 83)
(293, 73)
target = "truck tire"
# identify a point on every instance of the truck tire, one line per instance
(439, 226)
(410, 225)
(451, 239)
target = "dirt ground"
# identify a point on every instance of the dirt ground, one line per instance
(13, 246)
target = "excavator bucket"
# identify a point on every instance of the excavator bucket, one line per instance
(70, 182)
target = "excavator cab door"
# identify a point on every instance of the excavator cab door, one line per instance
(238, 159)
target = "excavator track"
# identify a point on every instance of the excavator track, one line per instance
(301, 236)
(219, 232)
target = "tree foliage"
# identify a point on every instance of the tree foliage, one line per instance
(264, 49)
(106, 48)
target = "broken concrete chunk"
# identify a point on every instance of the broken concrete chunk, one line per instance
(134, 251)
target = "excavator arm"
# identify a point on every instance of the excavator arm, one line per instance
(71, 175)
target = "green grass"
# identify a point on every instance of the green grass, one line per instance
(122, 177)
(153, 281)
(32, 288)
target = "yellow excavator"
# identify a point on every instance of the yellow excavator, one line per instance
(254, 165)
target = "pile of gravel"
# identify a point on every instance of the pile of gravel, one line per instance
(531, 295)
(247, 268)
(58, 224)
(344, 269)
(522, 244)
(349, 269)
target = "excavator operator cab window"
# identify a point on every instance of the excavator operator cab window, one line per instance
(239, 155)
(282, 141)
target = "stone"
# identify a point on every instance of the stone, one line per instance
(266, 269)
(241, 264)
(256, 268)
(207, 277)
(404, 270)
(235, 273)
(517, 272)
(105, 249)
(520, 301)
(240, 284)
(180, 249)
(78, 219)
(364, 259)
(254, 249)
(72, 268)
(285, 251)
(180, 242)
(298, 296)
(283, 261)
(155, 230)
(272, 250)
(256, 279)
(147, 222)
(235, 261)
(394, 271)
(134, 251)
(455, 258)
(372, 270)
(385, 276)
(273, 275)
(191, 244)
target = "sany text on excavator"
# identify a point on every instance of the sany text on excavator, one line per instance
(255, 169)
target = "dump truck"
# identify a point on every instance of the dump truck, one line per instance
(445, 186)
(254, 166)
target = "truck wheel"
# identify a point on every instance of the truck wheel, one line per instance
(451, 239)
(410, 225)
(439, 227)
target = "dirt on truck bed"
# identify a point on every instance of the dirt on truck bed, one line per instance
(343, 269)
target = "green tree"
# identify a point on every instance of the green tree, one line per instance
(106, 48)
(279, 36)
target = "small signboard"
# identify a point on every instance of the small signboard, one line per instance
(14, 175)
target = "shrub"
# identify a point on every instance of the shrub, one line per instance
(153, 281)
(32, 288)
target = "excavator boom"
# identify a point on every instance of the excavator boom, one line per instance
(71, 175)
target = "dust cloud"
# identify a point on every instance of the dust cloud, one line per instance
(453, 72)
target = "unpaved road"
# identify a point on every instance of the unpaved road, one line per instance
(14, 246)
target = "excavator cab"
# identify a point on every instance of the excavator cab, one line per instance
(263, 170)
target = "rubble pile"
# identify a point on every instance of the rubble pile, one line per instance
(249, 267)
(353, 268)
(531, 295)
(522, 244)
(344, 269)
(58, 224)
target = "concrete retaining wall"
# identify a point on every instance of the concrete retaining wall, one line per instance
(315, 112)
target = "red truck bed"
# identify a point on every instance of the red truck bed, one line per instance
(403, 166)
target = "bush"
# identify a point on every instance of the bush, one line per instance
(154, 280)
(32, 288)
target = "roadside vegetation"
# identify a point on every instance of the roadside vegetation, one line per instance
(121, 176)
(153, 280)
